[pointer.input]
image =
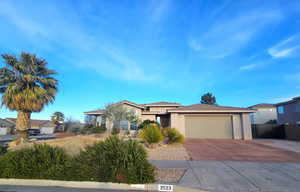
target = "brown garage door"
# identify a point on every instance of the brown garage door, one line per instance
(208, 126)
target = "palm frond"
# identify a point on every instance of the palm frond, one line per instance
(26, 84)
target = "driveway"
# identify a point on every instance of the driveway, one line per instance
(235, 176)
(238, 150)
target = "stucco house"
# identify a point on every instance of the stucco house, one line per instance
(193, 121)
(289, 111)
(264, 112)
(46, 127)
(6, 127)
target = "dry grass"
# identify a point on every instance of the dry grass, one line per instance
(72, 144)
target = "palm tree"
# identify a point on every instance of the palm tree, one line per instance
(26, 85)
(57, 117)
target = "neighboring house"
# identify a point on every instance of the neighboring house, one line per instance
(193, 121)
(6, 127)
(263, 113)
(46, 127)
(289, 112)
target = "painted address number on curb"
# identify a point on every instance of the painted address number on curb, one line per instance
(165, 187)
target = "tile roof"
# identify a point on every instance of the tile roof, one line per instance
(209, 108)
(162, 103)
(95, 112)
(295, 99)
(262, 105)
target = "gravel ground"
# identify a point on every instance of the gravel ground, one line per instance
(168, 152)
(169, 175)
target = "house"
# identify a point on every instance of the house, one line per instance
(193, 121)
(6, 127)
(289, 112)
(264, 113)
(46, 127)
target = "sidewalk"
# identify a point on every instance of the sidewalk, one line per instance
(236, 176)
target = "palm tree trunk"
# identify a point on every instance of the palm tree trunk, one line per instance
(22, 124)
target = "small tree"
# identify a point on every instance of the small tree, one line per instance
(209, 99)
(57, 117)
(117, 113)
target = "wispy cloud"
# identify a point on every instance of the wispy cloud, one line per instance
(287, 48)
(195, 45)
(158, 9)
(100, 55)
(228, 35)
(248, 67)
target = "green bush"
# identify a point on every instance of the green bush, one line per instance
(2, 150)
(173, 135)
(146, 123)
(114, 160)
(115, 131)
(37, 162)
(100, 129)
(151, 134)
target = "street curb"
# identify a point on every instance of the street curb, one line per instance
(90, 185)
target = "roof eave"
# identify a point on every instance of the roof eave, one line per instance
(211, 111)
(154, 105)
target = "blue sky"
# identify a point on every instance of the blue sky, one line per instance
(245, 52)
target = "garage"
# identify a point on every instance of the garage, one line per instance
(209, 126)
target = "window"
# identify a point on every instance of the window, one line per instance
(124, 125)
(280, 109)
(133, 126)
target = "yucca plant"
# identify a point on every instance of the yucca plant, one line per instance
(26, 85)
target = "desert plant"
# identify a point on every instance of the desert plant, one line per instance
(114, 160)
(115, 131)
(3, 150)
(37, 162)
(151, 134)
(100, 129)
(26, 85)
(147, 122)
(173, 135)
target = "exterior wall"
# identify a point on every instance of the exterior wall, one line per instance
(263, 115)
(237, 126)
(291, 115)
(160, 109)
(178, 122)
(137, 111)
(4, 131)
(246, 126)
(47, 130)
(148, 117)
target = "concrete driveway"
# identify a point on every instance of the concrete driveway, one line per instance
(238, 150)
(234, 176)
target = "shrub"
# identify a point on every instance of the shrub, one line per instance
(151, 134)
(146, 123)
(100, 129)
(3, 150)
(173, 135)
(115, 131)
(37, 162)
(114, 160)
